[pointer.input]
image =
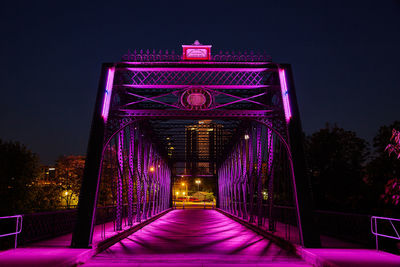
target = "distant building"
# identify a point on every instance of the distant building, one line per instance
(203, 146)
(47, 175)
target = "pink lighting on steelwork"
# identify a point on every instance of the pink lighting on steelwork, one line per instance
(196, 99)
(107, 94)
(285, 94)
(196, 51)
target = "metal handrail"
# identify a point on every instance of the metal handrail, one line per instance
(18, 227)
(374, 228)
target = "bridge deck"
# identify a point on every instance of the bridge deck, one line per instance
(195, 237)
(190, 238)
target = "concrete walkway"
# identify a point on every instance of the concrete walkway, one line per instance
(190, 237)
(57, 251)
(195, 237)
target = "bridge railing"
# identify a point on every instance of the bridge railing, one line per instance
(18, 227)
(390, 226)
(45, 225)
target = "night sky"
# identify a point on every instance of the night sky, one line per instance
(345, 57)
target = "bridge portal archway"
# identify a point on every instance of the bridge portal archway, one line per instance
(233, 116)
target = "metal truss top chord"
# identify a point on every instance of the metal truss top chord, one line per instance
(198, 114)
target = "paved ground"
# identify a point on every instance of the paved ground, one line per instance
(195, 237)
(55, 251)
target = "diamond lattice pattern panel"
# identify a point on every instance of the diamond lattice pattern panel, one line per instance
(197, 77)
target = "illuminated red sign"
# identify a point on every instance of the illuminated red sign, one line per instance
(196, 51)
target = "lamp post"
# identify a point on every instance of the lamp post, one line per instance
(198, 182)
(176, 198)
(183, 184)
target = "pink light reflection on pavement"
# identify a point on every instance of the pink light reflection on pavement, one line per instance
(195, 237)
(356, 257)
(51, 252)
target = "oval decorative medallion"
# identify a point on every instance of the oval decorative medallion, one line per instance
(196, 99)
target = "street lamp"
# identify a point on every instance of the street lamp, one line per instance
(198, 182)
(183, 184)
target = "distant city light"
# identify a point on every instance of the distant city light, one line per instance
(246, 136)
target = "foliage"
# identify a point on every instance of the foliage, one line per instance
(392, 187)
(336, 158)
(392, 192)
(395, 146)
(384, 171)
(69, 172)
(44, 197)
(18, 169)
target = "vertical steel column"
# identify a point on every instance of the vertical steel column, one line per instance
(156, 191)
(154, 188)
(270, 147)
(245, 175)
(145, 178)
(83, 231)
(222, 187)
(259, 173)
(219, 188)
(233, 182)
(230, 187)
(139, 180)
(309, 231)
(163, 188)
(131, 175)
(251, 177)
(120, 203)
(239, 177)
(150, 178)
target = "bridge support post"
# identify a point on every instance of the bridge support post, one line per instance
(139, 181)
(83, 231)
(301, 183)
(120, 201)
(259, 180)
(131, 176)
(270, 173)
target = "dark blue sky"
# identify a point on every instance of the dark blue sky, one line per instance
(345, 56)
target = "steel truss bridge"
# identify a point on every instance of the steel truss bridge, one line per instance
(232, 118)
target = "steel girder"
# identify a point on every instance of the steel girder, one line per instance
(249, 91)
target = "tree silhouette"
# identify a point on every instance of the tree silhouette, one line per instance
(69, 172)
(19, 168)
(336, 159)
(392, 187)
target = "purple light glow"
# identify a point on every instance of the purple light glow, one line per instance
(196, 99)
(107, 94)
(198, 69)
(285, 95)
(195, 237)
